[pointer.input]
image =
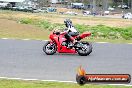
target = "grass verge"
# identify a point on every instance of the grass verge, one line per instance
(21, 25)
(14, 30)
(39, 84)
(98, 31)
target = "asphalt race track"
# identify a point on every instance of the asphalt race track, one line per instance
(25, 59)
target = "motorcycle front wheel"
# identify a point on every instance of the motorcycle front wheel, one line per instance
(49, 48)
(84, 48)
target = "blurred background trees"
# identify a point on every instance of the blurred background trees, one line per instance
(104, 4)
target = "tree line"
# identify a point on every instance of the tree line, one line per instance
(104, 3)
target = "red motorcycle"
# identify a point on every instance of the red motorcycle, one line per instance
(58, 43)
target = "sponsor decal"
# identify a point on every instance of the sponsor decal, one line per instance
(83, 78)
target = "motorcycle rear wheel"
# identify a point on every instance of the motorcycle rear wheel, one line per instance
(84, 49)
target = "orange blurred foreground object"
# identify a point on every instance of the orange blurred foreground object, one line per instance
(81, 71)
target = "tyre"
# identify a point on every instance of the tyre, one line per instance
(49, 48)
(85, 48)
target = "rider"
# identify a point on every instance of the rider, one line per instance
(71, 31)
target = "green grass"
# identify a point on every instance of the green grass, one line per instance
(44, 24)
(106, 32)
(100, 33)
(39, 84)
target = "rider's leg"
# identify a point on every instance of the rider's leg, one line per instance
(69, 40)
(69, 37)
(73, 34)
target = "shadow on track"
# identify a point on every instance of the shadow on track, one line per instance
(67, 55)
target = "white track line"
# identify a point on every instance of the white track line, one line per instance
(129, 43)
(36, 80)
(25, 39)
(22, 39)
(102, 42)
(48, 40)
(4, 38)
(56, 81)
